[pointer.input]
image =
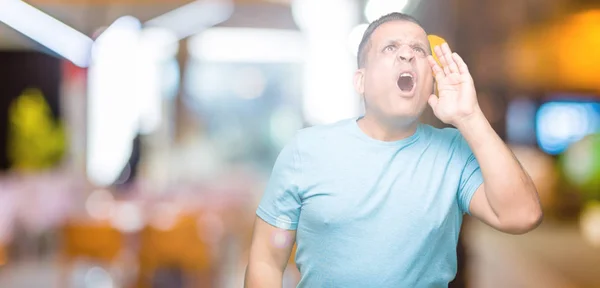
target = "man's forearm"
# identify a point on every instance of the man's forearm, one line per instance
(259, 275)
(508, 188)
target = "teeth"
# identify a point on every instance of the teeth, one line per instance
(406, 74)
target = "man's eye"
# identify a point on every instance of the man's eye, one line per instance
(389, 48)
(419, 50)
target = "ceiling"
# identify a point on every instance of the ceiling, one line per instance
(87, 16)
(477, 29)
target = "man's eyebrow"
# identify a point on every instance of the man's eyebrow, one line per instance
(425, 46)
(420, 43)
(390, 41)
(411, 42)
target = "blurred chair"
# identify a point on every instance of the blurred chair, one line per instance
(3, 256)
(179, 249)
(93, 241)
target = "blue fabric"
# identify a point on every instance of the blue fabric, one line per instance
(369, 213)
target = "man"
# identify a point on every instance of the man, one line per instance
(378, 201)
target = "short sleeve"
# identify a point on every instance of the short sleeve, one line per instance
(470, 176)
(280, 203)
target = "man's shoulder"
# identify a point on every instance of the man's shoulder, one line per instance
(322, 132)
(449, 140)
(442, 135)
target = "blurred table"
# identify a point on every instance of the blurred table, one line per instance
(554, 255)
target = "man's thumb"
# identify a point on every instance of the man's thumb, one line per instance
(433, 101)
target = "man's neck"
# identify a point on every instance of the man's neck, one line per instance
(387, 130)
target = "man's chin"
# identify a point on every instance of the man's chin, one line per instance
(406, 113)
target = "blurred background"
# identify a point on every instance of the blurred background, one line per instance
(136, 136)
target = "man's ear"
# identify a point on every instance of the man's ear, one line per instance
(359, 81)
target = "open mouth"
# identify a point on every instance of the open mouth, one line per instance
(406, 82)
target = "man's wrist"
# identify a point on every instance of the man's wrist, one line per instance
(474, 125)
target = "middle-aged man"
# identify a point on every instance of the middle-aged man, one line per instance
(378, 200)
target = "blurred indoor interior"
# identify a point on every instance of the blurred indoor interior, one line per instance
(136, 136)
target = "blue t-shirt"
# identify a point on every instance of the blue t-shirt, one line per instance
(369, 213)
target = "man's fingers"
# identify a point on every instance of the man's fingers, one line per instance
(462, 66)
(453, 67)
(440, 54)
(438, 73)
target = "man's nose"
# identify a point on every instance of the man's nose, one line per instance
(406, 53)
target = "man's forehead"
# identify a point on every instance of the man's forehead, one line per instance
(399, 30)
